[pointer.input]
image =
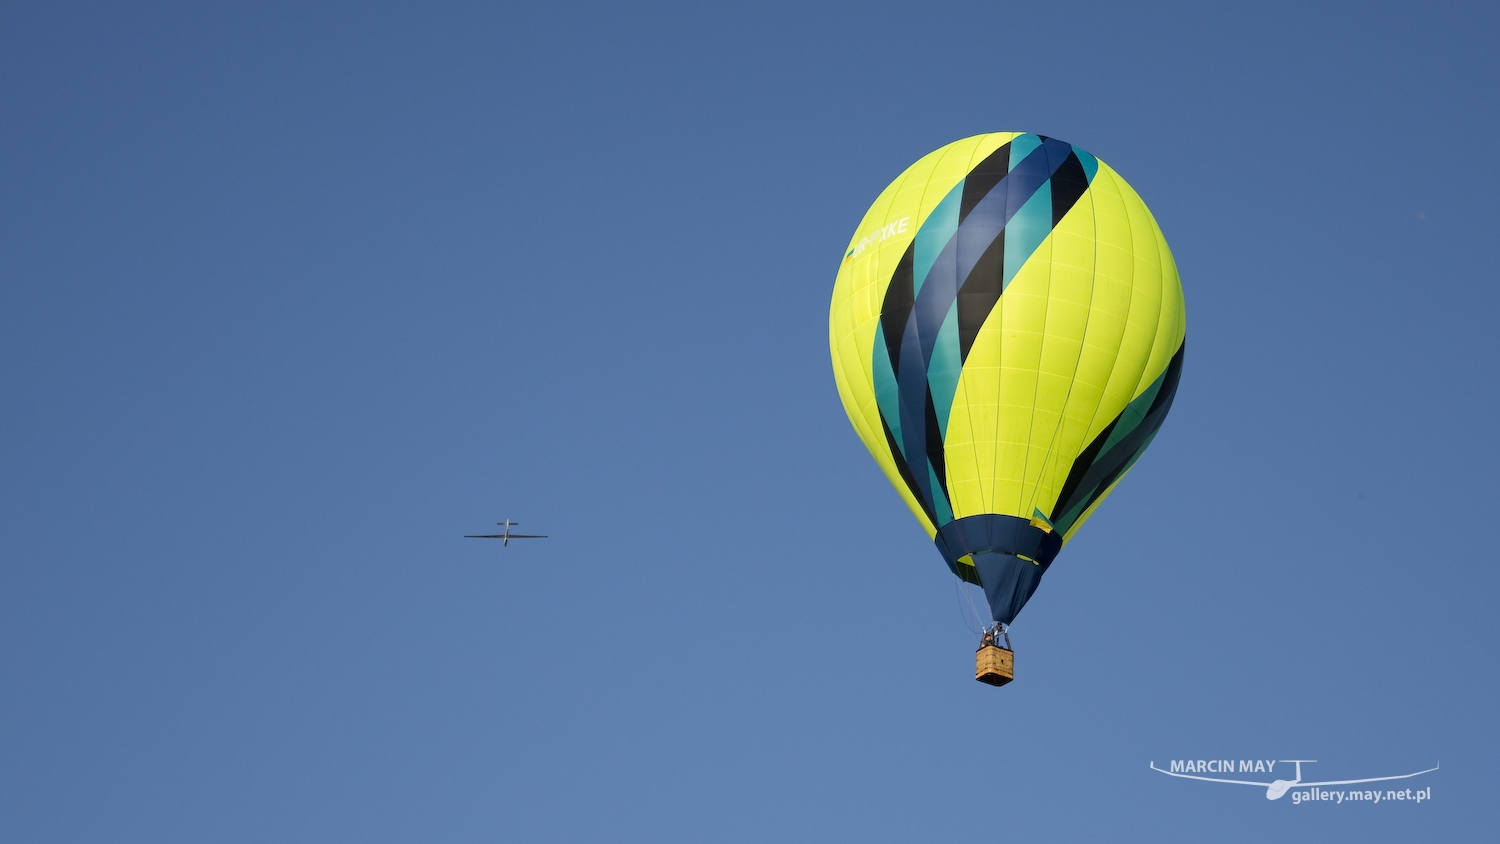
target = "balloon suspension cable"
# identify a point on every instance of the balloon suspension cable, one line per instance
(963, 595)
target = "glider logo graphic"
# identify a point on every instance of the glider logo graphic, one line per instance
(1301, 791)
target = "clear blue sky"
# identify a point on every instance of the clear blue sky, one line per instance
(292, 297)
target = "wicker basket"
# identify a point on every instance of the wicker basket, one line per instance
(994, 665)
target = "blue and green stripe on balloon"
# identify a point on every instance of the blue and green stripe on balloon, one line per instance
(967, 251)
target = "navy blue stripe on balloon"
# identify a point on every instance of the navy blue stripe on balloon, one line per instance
(938, 293)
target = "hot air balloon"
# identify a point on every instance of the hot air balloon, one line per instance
(1007, 336)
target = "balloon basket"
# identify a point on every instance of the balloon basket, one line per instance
(994, 665)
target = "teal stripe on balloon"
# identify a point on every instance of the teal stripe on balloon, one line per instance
(887, 394)
(1066, 522)
(942, 373)
(1133, 414)
(1021, 146)
(939, 500)
(935, 233)
(1026, 231)
(1090, 163)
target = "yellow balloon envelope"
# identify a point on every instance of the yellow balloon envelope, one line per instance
(1007, 336)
